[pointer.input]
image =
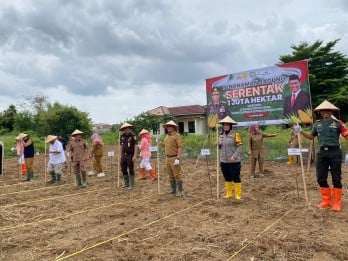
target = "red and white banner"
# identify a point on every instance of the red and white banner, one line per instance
(271, 95)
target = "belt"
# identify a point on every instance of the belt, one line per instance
(127, 153)
(170, 156)
(329, 148)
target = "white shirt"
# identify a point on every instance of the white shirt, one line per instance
(56, 158)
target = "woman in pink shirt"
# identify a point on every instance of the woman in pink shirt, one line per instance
(145, 155)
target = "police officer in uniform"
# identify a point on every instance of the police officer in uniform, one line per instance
(128, 149)
(217, 107)
(329, 155)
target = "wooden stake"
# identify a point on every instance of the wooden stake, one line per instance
(302, 168)
(45, 160)
(296, 176)
(158, 166)
(217, 162)
(118, 159)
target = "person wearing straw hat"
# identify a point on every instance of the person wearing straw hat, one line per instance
(230, 145)
(173, 149)
(145, 155)
(257, 149)
(329, 155)
(79, 155)
(97, 153)
(29, 153)
(56, 159)
(128, 149)
(20, 152)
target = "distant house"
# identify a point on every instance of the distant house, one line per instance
(101, 127)
(192, 119)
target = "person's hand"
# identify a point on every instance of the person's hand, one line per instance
(297, 128)
(176, 162)
(346, 160)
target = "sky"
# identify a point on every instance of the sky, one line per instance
(118, 59)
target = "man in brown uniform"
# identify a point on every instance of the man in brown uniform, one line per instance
(79, 155)
(173, 150)
(128, 149)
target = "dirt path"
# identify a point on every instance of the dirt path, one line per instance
(104, 222)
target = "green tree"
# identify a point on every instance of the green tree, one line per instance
(24, 121)
(62, 119)
(328, 71)
(149, 121)
(7, 118)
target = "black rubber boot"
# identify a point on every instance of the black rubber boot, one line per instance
(84, 179)
(172, 187)
(179, 189)
(131, 182)
(53, 178)
(126, 181)
(78, 181)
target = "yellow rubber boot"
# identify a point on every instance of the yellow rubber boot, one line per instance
(291, 159)
(238, 190)
(228, 188)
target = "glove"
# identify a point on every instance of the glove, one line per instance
(346, 160)
(297, 128)
(176, 162)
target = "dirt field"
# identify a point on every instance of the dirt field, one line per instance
(104, 222)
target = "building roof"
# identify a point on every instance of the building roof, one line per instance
(179, 110)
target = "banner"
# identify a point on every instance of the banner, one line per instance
(272, 95)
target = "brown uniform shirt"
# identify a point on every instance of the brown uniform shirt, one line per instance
(256, 145)
(172, 142)
(78, 150)
(98, 149)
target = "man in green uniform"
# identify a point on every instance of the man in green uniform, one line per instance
(329, 156)
(173, 150)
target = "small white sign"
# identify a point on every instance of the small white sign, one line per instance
(293, 151)
(296, 151)
(111, 153)
(205, 152)
(153, 148)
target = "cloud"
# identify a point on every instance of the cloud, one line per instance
(130, 56)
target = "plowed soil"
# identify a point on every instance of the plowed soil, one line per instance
(273, 221)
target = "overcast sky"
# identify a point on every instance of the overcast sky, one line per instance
(117, 59)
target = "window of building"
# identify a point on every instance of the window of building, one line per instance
(181, 127)
(191, 127)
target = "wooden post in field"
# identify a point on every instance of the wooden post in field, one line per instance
(217, 162)
(302, 168)
(118, 159)
(45, 160)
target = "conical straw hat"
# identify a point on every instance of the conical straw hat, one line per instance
(126, 125)
(21, 136)
(76, 132)
(170, 123)
(143, 131)
(326, 105)
(50, 138)
(229, 120)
